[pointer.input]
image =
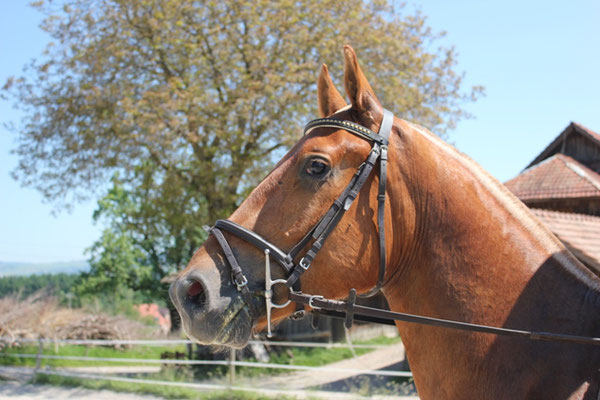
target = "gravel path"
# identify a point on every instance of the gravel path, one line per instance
(20, 391)
(374, 360)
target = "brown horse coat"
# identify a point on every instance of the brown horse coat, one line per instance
(461, 247)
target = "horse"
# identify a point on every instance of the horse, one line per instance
(460, 246)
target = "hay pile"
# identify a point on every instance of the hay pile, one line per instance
(40, 316)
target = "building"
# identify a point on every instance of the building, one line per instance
(562, 188)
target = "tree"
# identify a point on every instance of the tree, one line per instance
(139, 245)
(191, 102)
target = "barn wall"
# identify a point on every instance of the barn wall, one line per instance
(581, 149)
(590, 206)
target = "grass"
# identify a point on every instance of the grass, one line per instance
(142, 352)
(168, 392)
(315, 356)
(176, 373)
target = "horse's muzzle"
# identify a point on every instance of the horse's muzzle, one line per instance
(210, 314)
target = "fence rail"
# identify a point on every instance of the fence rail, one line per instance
(97, 342)
(231, 362)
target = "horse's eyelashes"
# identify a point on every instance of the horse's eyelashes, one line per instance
(316, 167)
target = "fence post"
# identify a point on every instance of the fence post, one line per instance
(38, 358)
(231, 366)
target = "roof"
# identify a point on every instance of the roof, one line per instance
(579, 232)
(557, 177)
(556, 144)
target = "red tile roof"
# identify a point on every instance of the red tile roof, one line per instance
(579, 232)
(557, 177)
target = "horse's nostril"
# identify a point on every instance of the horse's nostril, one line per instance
(195, 289)
(196, 293)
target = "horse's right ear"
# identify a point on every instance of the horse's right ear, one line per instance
(330, 99)
(362, 96)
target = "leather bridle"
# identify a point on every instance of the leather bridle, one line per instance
(321, 231)
(348, 309)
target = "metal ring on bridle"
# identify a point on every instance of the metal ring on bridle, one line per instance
(310, 300)
(283, 305)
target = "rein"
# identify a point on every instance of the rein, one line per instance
(348, 310)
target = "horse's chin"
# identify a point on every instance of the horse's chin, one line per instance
(234, 329)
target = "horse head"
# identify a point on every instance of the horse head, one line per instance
(282, 209)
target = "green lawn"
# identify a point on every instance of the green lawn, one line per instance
(288, 356)
(143, 352)
(291, 356)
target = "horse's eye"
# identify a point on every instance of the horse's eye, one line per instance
(316, 167)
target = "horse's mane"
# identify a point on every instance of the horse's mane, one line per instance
(517, 209)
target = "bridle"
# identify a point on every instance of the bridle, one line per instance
(321, 231)
(348, 309)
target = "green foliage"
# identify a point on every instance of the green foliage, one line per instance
(59, 285)
(135, 251)
(191, 102)
(115, 264)
(118, 301)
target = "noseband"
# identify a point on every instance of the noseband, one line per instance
(321, 231)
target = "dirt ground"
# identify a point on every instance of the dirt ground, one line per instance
(20, 391)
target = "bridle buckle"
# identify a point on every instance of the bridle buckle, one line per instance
(240, 285)
(310, 300)
(303, 265)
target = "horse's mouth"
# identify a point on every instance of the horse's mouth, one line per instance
(235, 330)
(233, 327)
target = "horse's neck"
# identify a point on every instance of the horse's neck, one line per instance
(473, 238)
(476, 252)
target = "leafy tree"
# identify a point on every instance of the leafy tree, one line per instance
(135, 250)
(60, 285)
(192, 101)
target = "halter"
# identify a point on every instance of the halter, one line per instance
(321, 231)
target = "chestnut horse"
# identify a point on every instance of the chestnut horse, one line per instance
(460, 246)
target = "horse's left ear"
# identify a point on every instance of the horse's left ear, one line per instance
(362, 96)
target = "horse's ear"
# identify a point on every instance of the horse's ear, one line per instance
(330, 99)
(362, 96)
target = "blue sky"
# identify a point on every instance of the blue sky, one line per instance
(539, 62)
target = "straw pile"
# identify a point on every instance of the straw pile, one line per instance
(40, 316)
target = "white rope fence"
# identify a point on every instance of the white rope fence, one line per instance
(231, 362)
(356, 371)
(175, 342)
(191, 385)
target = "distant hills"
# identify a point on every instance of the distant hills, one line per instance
(16, 268)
